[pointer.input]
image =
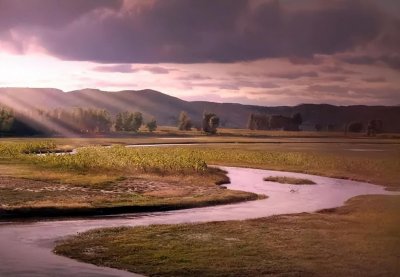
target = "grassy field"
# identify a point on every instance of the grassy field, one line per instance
(359, 239)
(100, 180)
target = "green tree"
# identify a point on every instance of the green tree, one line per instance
(184, 122)
(151, 125)
(6, 120)
(137, 121)
(119, 123)
(210, 123)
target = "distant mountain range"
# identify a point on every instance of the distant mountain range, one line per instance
(166, 108)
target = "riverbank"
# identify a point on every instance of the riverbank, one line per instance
(359, 239)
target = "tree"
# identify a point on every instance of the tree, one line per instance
(119, 123)
(318, 127)
(331, 127)
(355, 127)
(6, 120)
(151, 125)
(184, 122)
(297, 119)
(127, 119)
(129, 122)
(137, 121)
(210, 123)
(374, 127)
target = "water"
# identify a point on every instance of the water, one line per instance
(26, 247)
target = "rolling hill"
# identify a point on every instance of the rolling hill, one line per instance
(166, 108)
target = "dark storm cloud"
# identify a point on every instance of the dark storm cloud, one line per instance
(48, 13)
(306, 60)
(191, 31)
(390, 60)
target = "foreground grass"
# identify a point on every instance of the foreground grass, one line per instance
(289, 180)
(359, 239)
(100, 180)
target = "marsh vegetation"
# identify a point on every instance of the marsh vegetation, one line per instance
(289, 180)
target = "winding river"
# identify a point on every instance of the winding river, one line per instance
(26, 248)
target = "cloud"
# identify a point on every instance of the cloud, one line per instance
(336, 78)
(120, 68)
(335, 69)
(127, 68)
(193, 31)
(374, 80)
(384, 94)
(291, 75)
(48, 13)
(306, 60)
(154, 69)
(194, 77)
(390, 60)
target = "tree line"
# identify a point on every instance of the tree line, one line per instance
(75, 120)
(88, 121)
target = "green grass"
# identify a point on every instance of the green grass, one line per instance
(289, 180)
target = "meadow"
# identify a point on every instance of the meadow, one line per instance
(359, 239)
(102, 180)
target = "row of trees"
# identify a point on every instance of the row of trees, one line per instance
(274, 122)
(77, 120)
(373, 127)
(209, 123)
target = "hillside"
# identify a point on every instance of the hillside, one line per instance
(166, 108)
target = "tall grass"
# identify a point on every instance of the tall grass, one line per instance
(19, 149)
(162, 160)
(329, 164)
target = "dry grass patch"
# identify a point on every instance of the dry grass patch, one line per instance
(289, 180)
(359, 239)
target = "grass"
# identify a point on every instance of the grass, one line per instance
(289, 180)
(102, 180)
(120, 158)
(359, 239)
(95, 168)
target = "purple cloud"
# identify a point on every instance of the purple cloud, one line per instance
(193, 31)
(127, 68)
(291, 75)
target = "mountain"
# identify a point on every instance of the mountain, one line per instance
(166, 108)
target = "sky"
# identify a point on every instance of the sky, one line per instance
(262, 52)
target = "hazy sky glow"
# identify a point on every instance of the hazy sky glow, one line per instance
(255, 52)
